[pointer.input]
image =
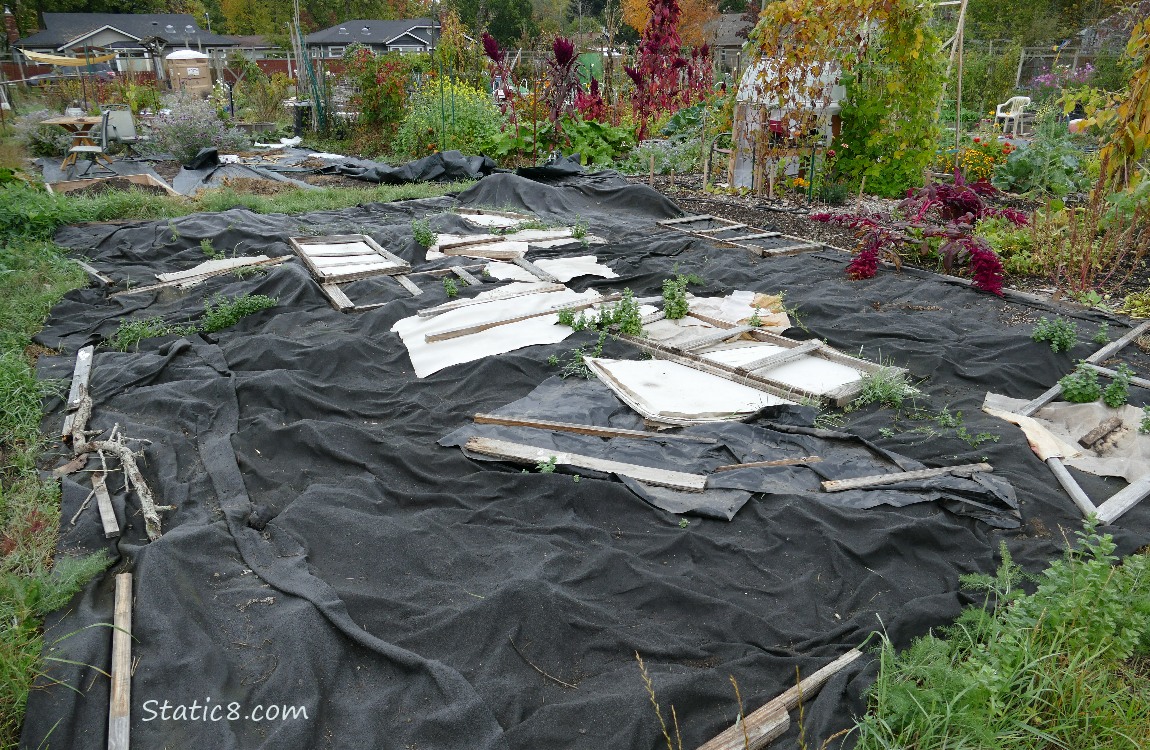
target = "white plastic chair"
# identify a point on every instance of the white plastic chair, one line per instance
(1010, 112)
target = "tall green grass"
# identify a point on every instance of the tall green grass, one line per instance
(1066, 667)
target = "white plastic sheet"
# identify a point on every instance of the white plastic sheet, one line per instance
(563, 269)
(431, 358)
(676, 394)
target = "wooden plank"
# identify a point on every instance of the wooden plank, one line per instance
(338, 299)
(534, 270)
(104, 504)
(1100, 432)
(351, 250)
(529, 454)
(449, 306)
(729, 227)
(393, 263)
(477, 250)
(408, 284)
(744, 238)
(202, 277)
(583, 429)
(781, 358)
(1140, 382)
(1080, 498)
(688, 219)
(787, 249)
(478, 327)
(466, 277)
(1124, 500)
(878, 480)
(80, 375)
(119, 703)
(493, 212)
(770, 721)
(105, 280)
(776, 462)
(713, 337)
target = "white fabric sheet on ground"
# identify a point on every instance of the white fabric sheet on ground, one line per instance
(563, 269)
(212, 265)
(738, 307)
(675, 332)
(676, 394)
(813, 374)
(431, 358)
(491, 220)
(1126, 453)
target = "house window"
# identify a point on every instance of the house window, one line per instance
(335, 51)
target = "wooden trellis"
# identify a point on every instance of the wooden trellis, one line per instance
(723, 232)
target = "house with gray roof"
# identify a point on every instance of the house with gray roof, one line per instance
(405, 35)
(133, 36)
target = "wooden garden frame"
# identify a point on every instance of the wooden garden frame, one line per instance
(748, 376)
(1123, 500)
(739, 235)
(330, 277)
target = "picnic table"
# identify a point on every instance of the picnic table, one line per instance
(81, 129)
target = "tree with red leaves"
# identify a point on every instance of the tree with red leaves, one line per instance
(500, 69)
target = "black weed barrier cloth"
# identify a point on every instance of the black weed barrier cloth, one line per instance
(326, 557)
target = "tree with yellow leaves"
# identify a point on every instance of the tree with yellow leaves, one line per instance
(694, 14)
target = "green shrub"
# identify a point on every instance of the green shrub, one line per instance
(1052, 163)
(190, 124)
(1061, 334)
(41, 140)
(675, 304)
(1081, 386)
(1117, 391)
(130, 333)
(669, 157)
(423, 233)
(221, 312)
(459, 117)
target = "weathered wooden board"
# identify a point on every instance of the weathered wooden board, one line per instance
(80, 376)
(529, 454)
(455, 305)
(584, 429)
(104, 505)
(119, 702)
(1124, 500)
(878, 480)
(771, 721)
(777, 462)
(191, 280)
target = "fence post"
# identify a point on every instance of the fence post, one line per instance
(1018, 75)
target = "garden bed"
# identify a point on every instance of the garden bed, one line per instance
(325, 553)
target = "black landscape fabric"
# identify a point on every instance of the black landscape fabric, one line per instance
(326, 557)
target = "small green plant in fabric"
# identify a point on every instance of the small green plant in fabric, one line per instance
(210, 251)
(221, 312)
(548, 466)
(1117, 392)
(623, 316)
(574, 363)
(450, 287)
(675, 305)
(130, 333)
(886, 386)
(1062, 335)
(755, 321)
(1063, 667)
(423, 233)
(1144, 427)
(1103, 335)
(1081, 386)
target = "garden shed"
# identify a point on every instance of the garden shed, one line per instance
(763, 130)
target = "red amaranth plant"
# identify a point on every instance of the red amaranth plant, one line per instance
(657, 71)
(591, 105)
(936, 211)
(563, 72)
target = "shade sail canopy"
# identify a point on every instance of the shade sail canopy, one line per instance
(40, 57)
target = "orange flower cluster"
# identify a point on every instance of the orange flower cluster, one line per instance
(978, 160)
